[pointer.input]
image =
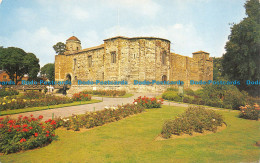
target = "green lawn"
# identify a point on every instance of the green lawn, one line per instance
(16, 111)
(133, 140)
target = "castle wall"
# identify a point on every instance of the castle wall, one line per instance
(129, 59)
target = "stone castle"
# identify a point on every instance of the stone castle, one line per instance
(137, 58)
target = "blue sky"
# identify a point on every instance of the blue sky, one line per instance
(190, 25)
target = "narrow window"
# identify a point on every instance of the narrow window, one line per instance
(113, 57)
(89, 61)
(75, 62)
(164, 57)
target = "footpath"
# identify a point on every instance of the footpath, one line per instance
(81, 109)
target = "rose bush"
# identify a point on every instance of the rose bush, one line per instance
(148, 102)
(81, 96)
(250, 112)
(25, 133)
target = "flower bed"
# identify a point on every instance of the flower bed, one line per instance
(9, 92)
(106, 92)
(19, 103)
(148, 102)
(81, 96)
(250, 112)
(99, 118)
(25, 133)
(194, 119)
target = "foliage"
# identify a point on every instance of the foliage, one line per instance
(33, 95)
(10, 92)
(113, 93)
(241, 60)
(148, 102)
(172, 96)
(194, 119)
(19, 103)
(48, 71)
(81, 96)
(59, 48)
(25, 133)
(250, 112)
(99, 118)
(218, 69)
(16, 62)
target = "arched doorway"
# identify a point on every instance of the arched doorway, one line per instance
(68, 77)
(164, 78)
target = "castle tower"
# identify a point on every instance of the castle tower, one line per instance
(73, 45)
(205, 64)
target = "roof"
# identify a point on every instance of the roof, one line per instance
(89, 49)
(198, 52)
(73, 38)
(130, 38)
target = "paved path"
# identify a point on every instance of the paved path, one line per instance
(81, 109)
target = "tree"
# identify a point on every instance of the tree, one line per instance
(59, 48)
(16, 62)
(33, 66)
(48, 71)
(242, 58)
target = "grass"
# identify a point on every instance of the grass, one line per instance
(133, 140)
(125, 96)
(17, 111)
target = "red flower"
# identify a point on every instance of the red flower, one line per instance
(43, 127)
(25, 125)
(53, 122)
(31, 115)
(36, 134)
(47, 135)
(17, 129)
(25, 117)
(40, 117)
(25, 130)
(10, 121)
(53, 135)
(1, 125)
(23, 140)
(30, 128)
(47, 132)
(1, 119)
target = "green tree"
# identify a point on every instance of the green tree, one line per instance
(32, 64)
(16, 62)
(59, 48)
(48, 71)
(241, 60)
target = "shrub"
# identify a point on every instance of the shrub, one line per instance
(189, 92)
(6, 103)
(172, 96)
(172, 89)
(33, 95)
(81, 96)
(194, 119)
(250, 112)
(148, 102)
(106, 92)
(25, 133)
(9, 92)
(99, 118)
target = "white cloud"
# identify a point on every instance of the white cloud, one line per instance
(144, 7)
(39, 42)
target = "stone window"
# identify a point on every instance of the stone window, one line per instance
(74, 63)
(164, 78)
(89, 61)
(164, 57)
(113, 57)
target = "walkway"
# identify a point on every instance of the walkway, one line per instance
(81, 109)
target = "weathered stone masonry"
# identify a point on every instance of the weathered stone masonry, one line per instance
(129, 59)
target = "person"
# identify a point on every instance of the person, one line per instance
(64, 90)
(51, 89)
